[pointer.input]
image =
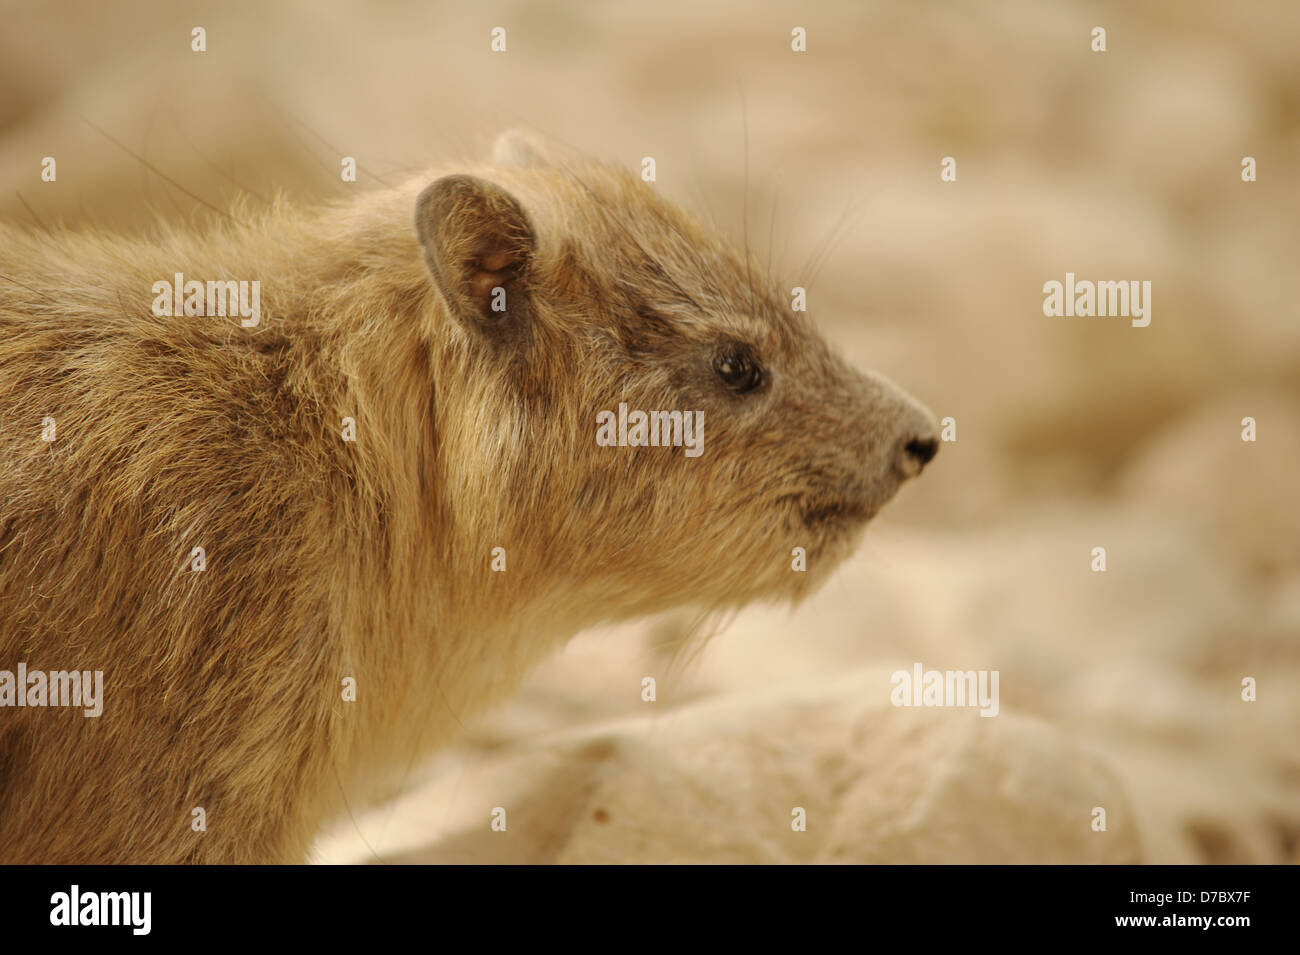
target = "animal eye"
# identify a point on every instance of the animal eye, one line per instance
(738, 368)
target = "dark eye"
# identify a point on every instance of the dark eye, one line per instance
(738, 368)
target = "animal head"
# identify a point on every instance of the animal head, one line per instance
(643, 409)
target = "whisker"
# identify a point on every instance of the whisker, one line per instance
(29, 288)
(348, 806)
(771, 229)
(744, 201)
(326, 144)
(212, 165)
(158, 172)
(31, 211)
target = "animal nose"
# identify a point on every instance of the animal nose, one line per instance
(915, 452)
(912, 439)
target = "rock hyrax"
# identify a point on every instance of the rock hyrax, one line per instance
(287, 606)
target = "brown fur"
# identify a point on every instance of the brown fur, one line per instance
(371, 559)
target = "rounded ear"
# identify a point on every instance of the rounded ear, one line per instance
(517, 148)
(478, 245)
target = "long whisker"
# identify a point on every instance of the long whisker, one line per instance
(837, 235)
(31, 211)
(348, 807)
(28, 287)
(158, 172)
(771, 229)
(744, 200)
(215, 167)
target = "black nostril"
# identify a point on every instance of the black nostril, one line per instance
(922, 450)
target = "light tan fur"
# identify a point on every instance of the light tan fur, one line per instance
(372, 560)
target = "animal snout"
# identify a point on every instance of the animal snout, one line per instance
(916, 435)
(901, 436)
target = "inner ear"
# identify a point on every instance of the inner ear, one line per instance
(478, 245)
